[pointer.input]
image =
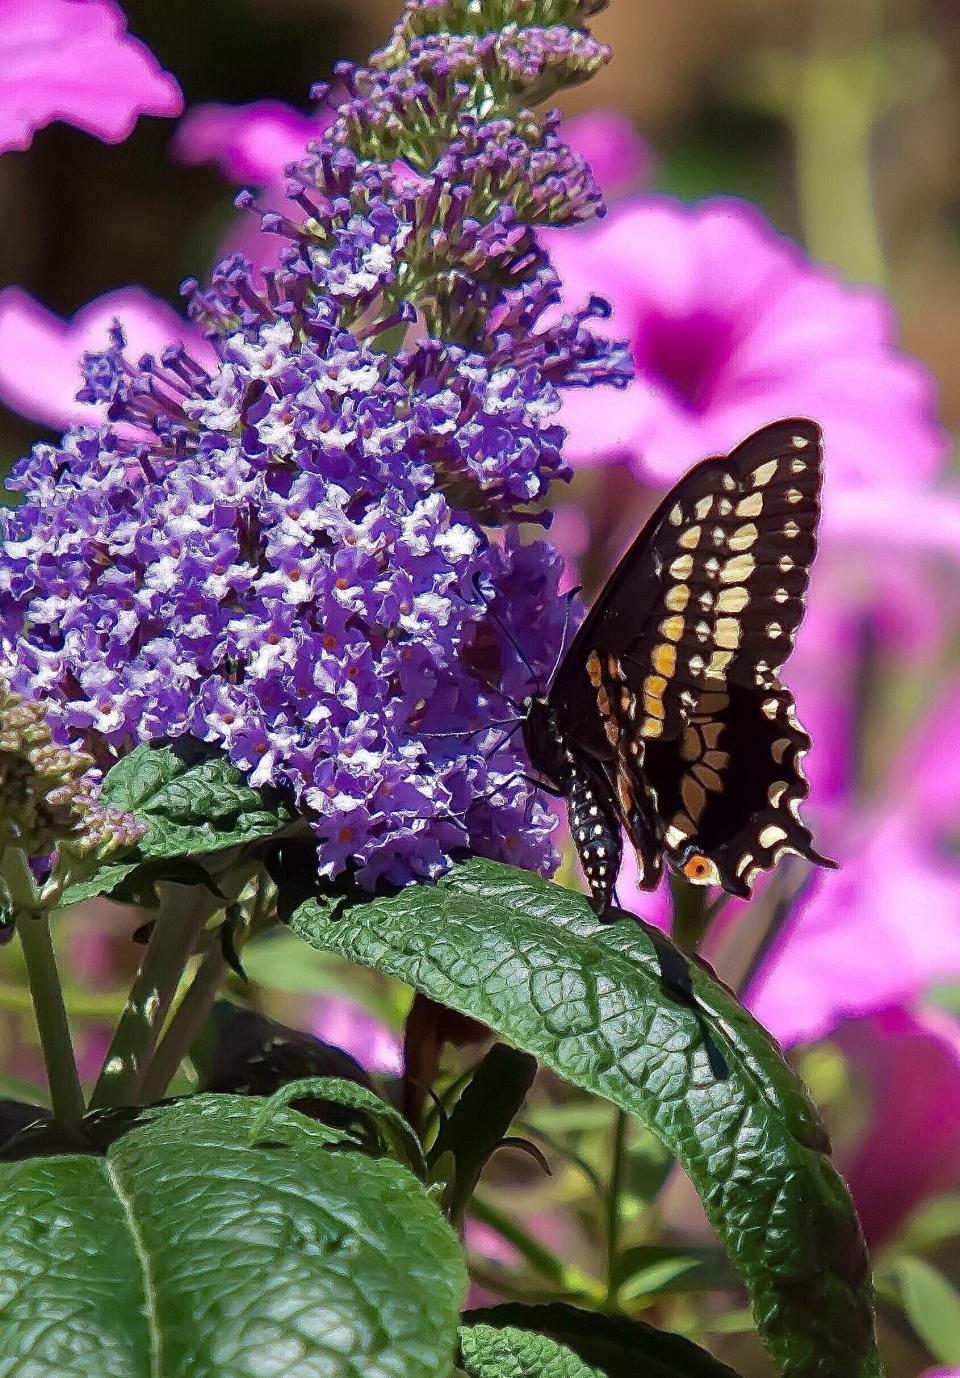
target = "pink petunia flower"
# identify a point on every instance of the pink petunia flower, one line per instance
(887, 926)
(73, 60)
(620, 159)
(731, 327)
(248, 143)
(40, 352)
(909, 1064)
(252, 145)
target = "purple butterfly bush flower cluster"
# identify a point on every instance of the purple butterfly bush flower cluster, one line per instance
(310, 549)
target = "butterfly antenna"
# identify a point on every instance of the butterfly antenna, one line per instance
(513, 723)
(498, 746)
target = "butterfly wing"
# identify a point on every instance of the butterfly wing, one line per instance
(694, 624)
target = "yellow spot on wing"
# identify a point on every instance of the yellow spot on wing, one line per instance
(737, 570)
(771, 834)
(653, 705)
(727, 633)
(690, 538)
(744, 537)
(664, 659)
(719, 662)
(750, 506)
(672, 628)
(733, 600)
(762, 475)
(677, 597)
(682, 567)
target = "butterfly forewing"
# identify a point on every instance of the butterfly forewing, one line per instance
(671, 681)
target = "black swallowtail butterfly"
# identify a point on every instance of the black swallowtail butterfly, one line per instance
(666, 713)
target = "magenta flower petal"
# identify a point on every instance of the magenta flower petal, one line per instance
(876, 933)
(620, 160)
(73, 60)
(249, 143)
(40, 353)
(911, 1150)
(732, 326)
(347, 1025)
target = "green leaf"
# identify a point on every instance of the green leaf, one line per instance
(614, 1345)
(510, 1353)
(397, 1132)
(192, 801)
(480, 1119)
(102, 882)
(135, 882)
(933, 1306)
(616, 1010)
(654, 1269)
(184, 1250)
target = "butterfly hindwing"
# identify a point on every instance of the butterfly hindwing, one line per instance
(729, 789)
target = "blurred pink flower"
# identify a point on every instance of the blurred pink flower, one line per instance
(620, 159)
(338, 1020)
(887, 925)
(909, 1064)
(731, 327)
(40, 352)
(73, 60)
(248, 143)
(253, 145)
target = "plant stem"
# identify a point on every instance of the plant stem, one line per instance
(840, 94)
(178, 924)
(183, 1028)
(33, 926)
(690, 915)
(614, 1191)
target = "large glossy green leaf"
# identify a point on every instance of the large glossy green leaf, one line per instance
(614, 1009)
(614, 1345)
(187, 1251)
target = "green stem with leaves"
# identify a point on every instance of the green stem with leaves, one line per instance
(33, 926)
